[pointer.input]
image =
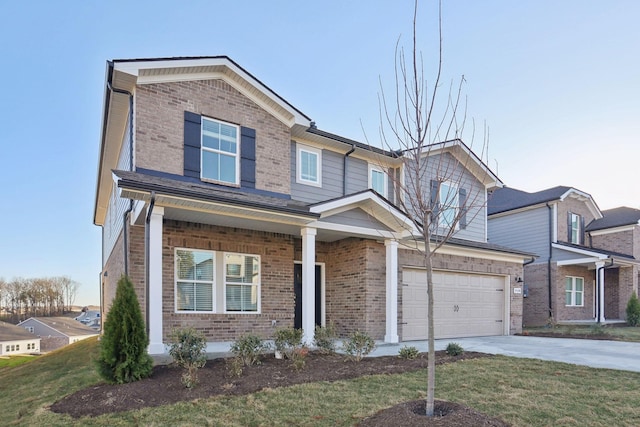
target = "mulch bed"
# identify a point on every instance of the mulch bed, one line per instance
(164, 386)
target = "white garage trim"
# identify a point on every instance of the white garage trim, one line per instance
(465, 304)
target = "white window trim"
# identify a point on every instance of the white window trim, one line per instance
(176, 279)
(258, 286)
(574, 292)
(300, 148)
(577, 228)
(441, 223)
(212, 150)
(373, 168)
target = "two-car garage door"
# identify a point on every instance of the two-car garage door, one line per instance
(465, 305)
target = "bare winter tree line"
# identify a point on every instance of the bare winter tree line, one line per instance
(21, 298)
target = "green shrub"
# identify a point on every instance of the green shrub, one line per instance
(287, 341)
(248, 349)
(299, 357)
(123, 348)
(597, 329)
(454, 349)
(359, 345)
(187, 349)
(409, 353)
(633, 310)
(325, 339)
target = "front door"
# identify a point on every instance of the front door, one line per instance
(297, 287)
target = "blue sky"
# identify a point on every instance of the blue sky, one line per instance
(556, 82)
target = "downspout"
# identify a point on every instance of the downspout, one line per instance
(549, 259)
(146, 259)
(524, 283)
(344, 169)
(128, 211)
(598, 284)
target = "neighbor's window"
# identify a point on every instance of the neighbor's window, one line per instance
(242, 282)
(309, 165)
(8, 348)
(448, 203)
(194, 274)
(575, 228)
(378, 181)
(220, 159)
(574, 291)
(29, 328)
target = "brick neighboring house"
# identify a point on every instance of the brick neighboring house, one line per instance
(17, 340)
(589, 260)
(233, 213)
(56, 332)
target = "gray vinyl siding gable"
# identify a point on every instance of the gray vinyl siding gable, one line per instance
(526, 230)
(463, 178)
(40, 329)
(357, 218)
(331, 178)
(357, 175)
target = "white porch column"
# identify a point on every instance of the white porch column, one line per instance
(600, 289)
(308, 284)
(154, 299)
(391, 335)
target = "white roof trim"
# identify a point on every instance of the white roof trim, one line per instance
(613, 230)
(580, 251)
(583, 197)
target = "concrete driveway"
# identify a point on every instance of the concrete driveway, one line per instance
(623, 356)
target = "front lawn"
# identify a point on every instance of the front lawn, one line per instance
(613, 332)
(12, 361)
(522, 392)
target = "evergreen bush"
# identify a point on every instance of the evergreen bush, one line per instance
(454, 349)
(325, 339)
(248, 349)
(123, 348)
(359, 345)
(633, 310)
(287, 341)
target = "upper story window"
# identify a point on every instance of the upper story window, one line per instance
(574, 291)
(308, 165)
(194, 274)
(378, 180)
(575, 228)
(220, 154)
(448, 198)
(29, 328)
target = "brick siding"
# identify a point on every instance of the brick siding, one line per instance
(159, 143)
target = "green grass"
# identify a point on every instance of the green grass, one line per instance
(523, 392)
(13, 361)
(622, 333)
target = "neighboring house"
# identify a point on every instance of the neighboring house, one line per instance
(233, 213)
(16, 340)
(56, 332)
(588, 260)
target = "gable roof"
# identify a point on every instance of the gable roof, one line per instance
(508, 199)
(9, 332)
(617, 217)
(64, 325)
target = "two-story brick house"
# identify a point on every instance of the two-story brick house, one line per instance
(233, 213)
(588, 264)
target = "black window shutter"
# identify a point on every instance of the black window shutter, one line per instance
(434, 199)
(569, 226)
(192, 130)
(247, 157)
(462, 205)
(581, 233)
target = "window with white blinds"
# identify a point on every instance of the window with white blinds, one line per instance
(242, 282)
(195, 280)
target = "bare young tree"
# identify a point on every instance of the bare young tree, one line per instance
(431, 185)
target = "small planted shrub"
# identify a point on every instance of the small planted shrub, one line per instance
(187, 349)
(248, 349)
(597, 329)
(325, 339)
(359, 345)
(454, 349)
(299, 357)
(633, 310)
(287, 341)
(123, 348)
(408, 353)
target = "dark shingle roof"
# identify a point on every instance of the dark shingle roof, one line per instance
(507, 199)
(65, 325)
(176, 185)
(617, 217)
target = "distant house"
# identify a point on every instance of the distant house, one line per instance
(589, 260)
(17, 340)
(56, 332)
